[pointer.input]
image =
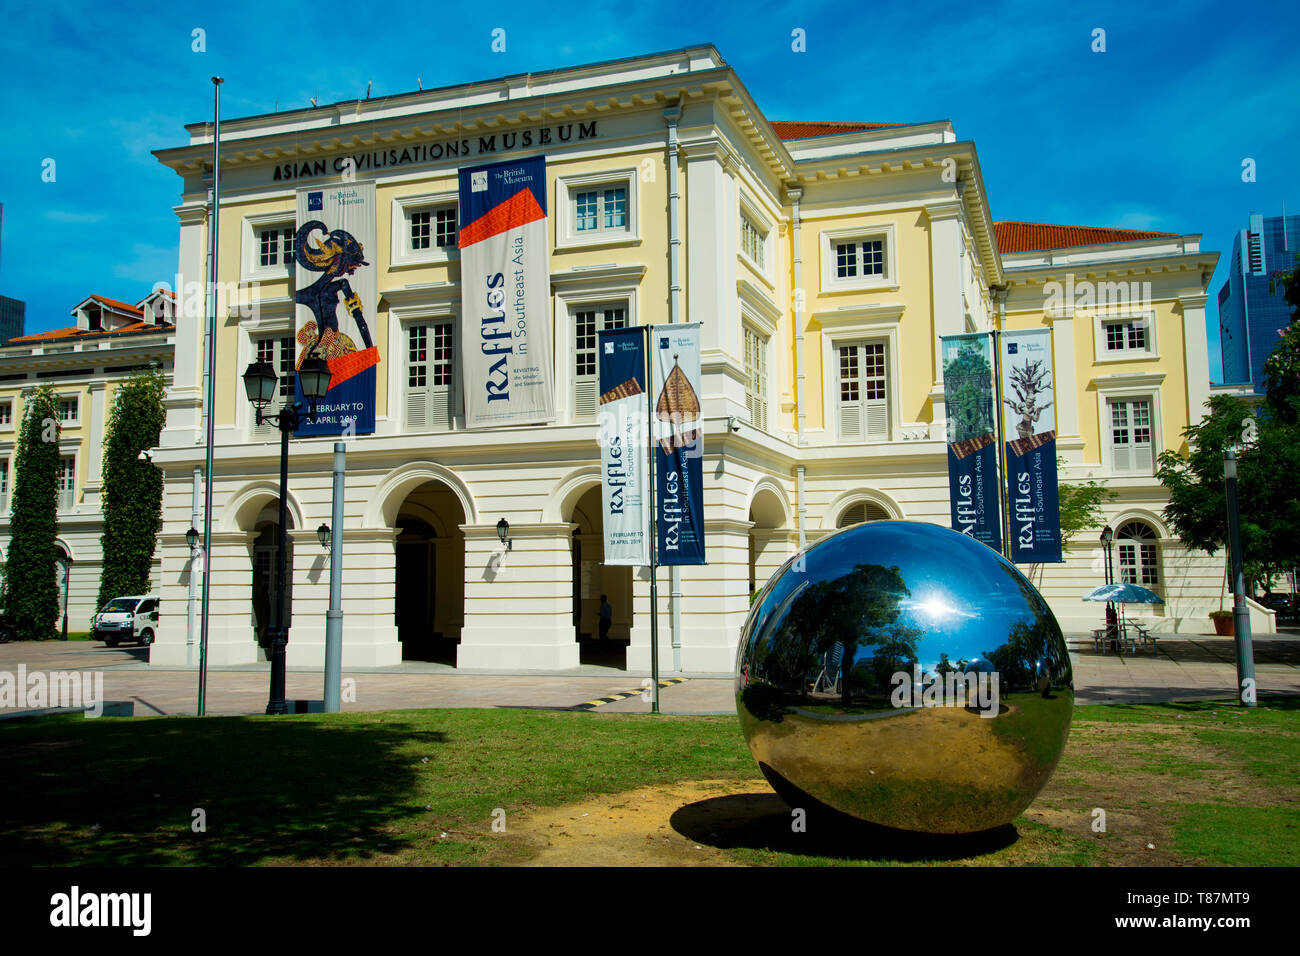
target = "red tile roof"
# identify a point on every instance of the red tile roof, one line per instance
(54, 334)
(72, 332)
(1031, 236)
(114, 304)
(801, 129)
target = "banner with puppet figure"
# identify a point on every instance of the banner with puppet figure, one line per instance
(337, 294)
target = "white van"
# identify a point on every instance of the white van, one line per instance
(130, 618)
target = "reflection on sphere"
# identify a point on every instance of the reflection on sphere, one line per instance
(907, 675)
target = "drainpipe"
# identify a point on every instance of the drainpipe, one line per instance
(672, 115)
(800, 412)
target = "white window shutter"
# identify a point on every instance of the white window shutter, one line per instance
(584, 399)
(417, 409)
(877, 418)
(1142, 461)
(850, 421)
(1122, 457)
(757, 411)
(441, 408)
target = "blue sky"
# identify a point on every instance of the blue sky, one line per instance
(1150, 134)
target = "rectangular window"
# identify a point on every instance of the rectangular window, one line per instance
(430, 377)
(68, 409)
(604, 208)
(756, 378)
(67, 481)
(586, 322)
(4, 486)
(1126, 336)
(6, 413)
(275, 246)
(278, 352)
(753, 242)
(1137, 564)
(433, 227)
(1130, 436)
(864, 400)
(445, 228)
(865, 258)
(421, 229)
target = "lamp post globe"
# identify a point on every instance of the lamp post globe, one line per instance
(260, 383)
(314, 375)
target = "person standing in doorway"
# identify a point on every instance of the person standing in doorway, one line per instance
(606, 617)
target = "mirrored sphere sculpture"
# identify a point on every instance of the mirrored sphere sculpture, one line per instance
(906, 675)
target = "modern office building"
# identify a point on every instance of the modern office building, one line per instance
(109, 342)
(12, 318)
(823, 261)
(1250, 316)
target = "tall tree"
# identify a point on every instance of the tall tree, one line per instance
(31, 583)
(132, 496)
(1267, 494)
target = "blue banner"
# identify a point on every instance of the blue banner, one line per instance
(624, 455)
(505, 284)
(972, 442)
(1032, 500)
(336, 299)
(679, 445)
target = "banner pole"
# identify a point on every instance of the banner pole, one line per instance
(654, 542)
(210, 397)
(1004, 501)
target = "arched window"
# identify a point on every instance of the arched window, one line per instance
(862, 512)
(1139, 562)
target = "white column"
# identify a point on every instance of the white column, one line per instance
(232, 638)
(95, 466)
(518, 603)
(184, 398)
(945, 276)
(1195, 355)
(369, 590)
(711, 213)
(1063, 369)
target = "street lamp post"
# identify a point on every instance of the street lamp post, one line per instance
(1240, 611)
(1107, 536)
(261, 384)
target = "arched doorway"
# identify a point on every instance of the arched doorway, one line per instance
(429, 583)
(265, 544)
(593, 578)
(769, 544)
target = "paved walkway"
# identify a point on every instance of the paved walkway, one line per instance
(1184, 668)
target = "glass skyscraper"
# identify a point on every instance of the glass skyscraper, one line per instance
(12, 318)
(1249, 317)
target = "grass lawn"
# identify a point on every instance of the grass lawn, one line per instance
(1178, 783)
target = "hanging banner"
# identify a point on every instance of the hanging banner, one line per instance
(624, 461)
(678, 418)
(336, 299)
(505, 284)
(1035, 515)
(972, 443)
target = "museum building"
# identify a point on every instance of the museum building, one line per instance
(823, 261)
